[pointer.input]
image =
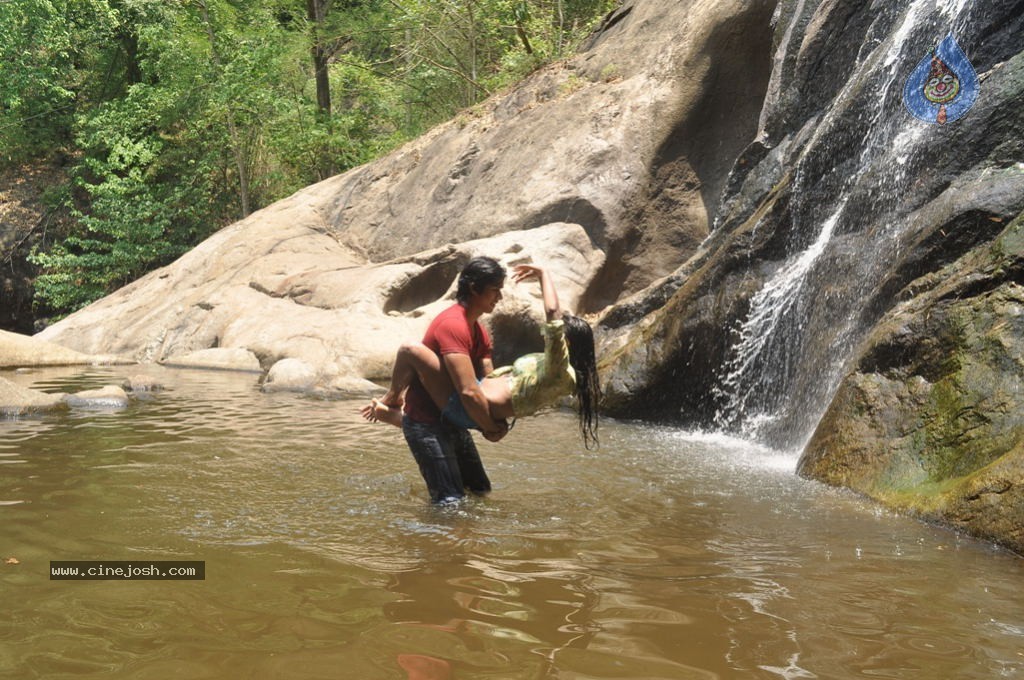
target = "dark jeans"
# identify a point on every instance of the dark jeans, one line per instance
(448, 459)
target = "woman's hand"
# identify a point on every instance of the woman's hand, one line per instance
(524, 272)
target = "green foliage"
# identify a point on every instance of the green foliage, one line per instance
(42, 44)
(181, 117)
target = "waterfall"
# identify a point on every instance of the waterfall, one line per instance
(801, 325)
(773, 303)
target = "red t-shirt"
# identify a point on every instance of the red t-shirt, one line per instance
(448, 333)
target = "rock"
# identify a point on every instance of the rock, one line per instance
(346, 322)
(16, 400)
(841, 196)
(223, 358)
(108, 396)
(931, 422)
(24, 351)
(142, 383)
(290, 375)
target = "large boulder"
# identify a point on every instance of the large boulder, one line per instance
(931, 421)
(248, 302)
(604, 168)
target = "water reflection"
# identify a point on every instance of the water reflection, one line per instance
(662, 555)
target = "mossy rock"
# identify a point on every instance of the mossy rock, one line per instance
(932, 420)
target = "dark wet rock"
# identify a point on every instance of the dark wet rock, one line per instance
(931, 421)
(836, 144)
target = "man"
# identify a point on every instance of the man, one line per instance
(447, 456)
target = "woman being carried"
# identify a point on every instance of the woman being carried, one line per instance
(533, 382)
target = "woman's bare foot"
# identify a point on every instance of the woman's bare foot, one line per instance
(393, 400)
(378, 412)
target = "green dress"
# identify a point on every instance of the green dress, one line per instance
(541, 379)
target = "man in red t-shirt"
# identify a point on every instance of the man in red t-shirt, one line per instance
(447, 456)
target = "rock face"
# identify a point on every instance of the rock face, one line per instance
(841, 200)
(829, 220)
(932, 419)
(603, 169)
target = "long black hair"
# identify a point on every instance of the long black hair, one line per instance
(479, 273)
(580, 339)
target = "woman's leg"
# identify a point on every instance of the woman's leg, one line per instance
(416, 359)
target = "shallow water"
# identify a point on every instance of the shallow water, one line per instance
(664, 554)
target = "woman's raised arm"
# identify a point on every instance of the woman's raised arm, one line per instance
(522, 272)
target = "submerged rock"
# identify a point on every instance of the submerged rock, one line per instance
(142, 382)
(108, 396)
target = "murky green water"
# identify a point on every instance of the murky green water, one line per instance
(662, 555)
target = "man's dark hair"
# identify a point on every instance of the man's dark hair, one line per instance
(479, 273)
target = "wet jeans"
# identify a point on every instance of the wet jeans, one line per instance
(448, 459)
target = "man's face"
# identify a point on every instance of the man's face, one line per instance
(489, 297)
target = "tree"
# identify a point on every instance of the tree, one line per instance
(180, 117)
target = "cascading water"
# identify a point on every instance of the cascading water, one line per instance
(843, 238)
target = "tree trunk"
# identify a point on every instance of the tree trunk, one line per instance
(317, 10)
(236, 145)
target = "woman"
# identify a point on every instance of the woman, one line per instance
(533, 382)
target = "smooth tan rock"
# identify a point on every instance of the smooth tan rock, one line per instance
(23, 350)
(16, 400)
(142, 382)
(222, 358)
(290, 375)
(342, 319)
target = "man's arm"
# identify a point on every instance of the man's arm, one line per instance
(463, 375)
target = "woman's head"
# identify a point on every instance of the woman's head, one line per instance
(477, 276)
(580, 339)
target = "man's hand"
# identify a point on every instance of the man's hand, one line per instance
(499, 434)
